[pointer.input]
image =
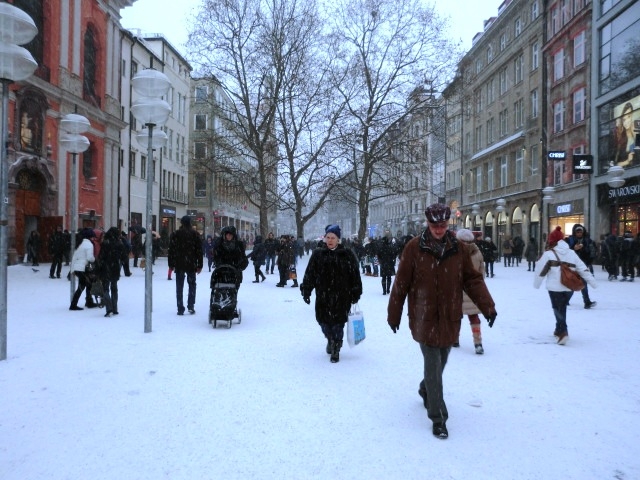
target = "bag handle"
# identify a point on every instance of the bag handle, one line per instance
(355, 308)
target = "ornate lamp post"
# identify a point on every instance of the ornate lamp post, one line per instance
(615, 181)
(151, 111)
(73, 142)
(16, 63)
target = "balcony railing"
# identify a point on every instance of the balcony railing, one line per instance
(175, 196)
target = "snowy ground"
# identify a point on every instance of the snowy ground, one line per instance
(88, 397)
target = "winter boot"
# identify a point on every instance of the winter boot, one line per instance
(388, 284)
(479, 349)
(335, 351)
(257, 280)
(295, 284)
(329, 347)
(384, 286)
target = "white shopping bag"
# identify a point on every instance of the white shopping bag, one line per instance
(355, 326)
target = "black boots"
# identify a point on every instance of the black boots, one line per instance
(256, 280)
(335, 351)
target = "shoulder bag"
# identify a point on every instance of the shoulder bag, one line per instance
(568, 277)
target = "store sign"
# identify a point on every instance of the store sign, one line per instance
(582, 164)
(169, 211)
(557, 155)
(563, 209)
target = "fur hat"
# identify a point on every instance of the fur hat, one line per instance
(335, 229)
(437, 212)
(465, 235)
(556, 236)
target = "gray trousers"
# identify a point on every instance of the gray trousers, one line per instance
(435, 360)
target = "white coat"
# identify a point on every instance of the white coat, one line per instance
(82, 255)
(553, 273)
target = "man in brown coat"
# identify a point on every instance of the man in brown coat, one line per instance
(434, 270)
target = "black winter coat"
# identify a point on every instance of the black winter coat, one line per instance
(259, 252)
(335, 276)
(56, 243)
(387, 253)
(185, 250)
(112, 253)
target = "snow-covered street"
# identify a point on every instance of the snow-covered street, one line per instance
(88, 397)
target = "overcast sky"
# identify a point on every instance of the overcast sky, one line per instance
(170, 18)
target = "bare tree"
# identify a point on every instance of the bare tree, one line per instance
(243, 44)
(387, 48)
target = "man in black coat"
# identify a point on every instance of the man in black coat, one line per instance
(56, 250)
(112, 254)
(185, 258)
(581, 243)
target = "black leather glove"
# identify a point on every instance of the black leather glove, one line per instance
(491, 318)
(395, 328)
(306, 299)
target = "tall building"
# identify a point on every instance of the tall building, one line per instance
(216, 199)
(615, 108)
(170, 197)
(569, 159)
(78, 52)
(503, 85)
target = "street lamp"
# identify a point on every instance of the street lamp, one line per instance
(73, 142)
(151, 111)
(16, 63)
(547, 197)
(615, 181)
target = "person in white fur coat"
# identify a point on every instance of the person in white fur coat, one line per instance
(558, 293)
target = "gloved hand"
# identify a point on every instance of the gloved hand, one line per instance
(306, 299)
(355, 296)
(492, 318)
(395, 328)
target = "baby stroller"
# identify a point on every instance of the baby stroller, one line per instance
(225, 281)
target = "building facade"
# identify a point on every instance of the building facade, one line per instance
(78, 54)
(567, 54)
(615, 108)
(502, 79)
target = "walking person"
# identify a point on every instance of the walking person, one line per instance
(585, 248)
(557, 252)
(333, 272)
(628, 253)
(127, 249)
(258, 255)
(271, 246)
(433, 272)
(387, 253)
(33, 248)
(489, 251)
(285, 261)
(82, 255)
(609, 252)
(229, 250)
(185, 259)
(531, 254)
(468, 307)
(112, 255)
(507, 251)
(208, 251)
(56, 250)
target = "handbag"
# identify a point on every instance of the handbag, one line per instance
(90, 267)
(355, 326)
(568, 277)
(293, 275)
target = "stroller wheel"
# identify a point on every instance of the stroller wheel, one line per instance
(229, 322)
(239, 316)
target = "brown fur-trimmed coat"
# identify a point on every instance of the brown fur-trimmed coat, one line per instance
(433, 281)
